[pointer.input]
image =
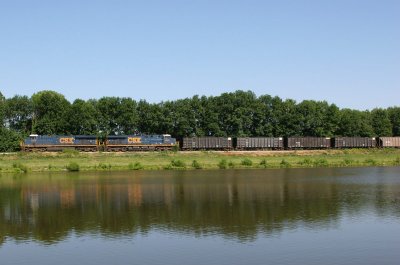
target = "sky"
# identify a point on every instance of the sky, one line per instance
(344, 51)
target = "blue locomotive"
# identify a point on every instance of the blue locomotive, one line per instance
(60, 142)
(139, 142)
(92, 143)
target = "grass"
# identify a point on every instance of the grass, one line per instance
(100, 161)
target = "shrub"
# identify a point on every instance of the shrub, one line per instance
(397, 161)
(104, 166)
(175, 148)
(231, 164)
(247, 162)
(370, 162)
(306, 162)
(18, 167)
(196, 164)
(284, 164)
(223, 164)
(9, 140)
(348, 162)
(178, 163)
(168, 167)
(70, 152)
(136, 166)
(73, 166)
(321, 162)
(263, 163)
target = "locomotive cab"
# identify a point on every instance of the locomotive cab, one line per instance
(166, 139)
(33, 138)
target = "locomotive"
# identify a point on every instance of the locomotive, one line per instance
(92, 143)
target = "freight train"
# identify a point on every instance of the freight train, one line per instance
(166, 142)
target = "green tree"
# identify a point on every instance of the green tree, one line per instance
(355, 123)
(394, 116)
(10, 140)
(286, 118)
(318, 118)
(108, 111)
(50, 110)
(149, 117)
(19, 113)
(2, 109)
(128, 118)
(262, 117)
(381, 122)
(81, 118)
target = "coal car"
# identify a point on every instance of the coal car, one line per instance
(308, 142)
(389, 142)
(258, 143)
(207, 143)
(353, 142)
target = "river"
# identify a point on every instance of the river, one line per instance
(278, 216)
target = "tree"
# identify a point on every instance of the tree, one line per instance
(318, 118)
(262, 118)
(19, 113)
(381, 122)
(394, 116)
(355, 123)
(149, 117)
(81, 118)
(2, 109)
(9, 140)
(286, 118)
(50, 110)
(128, 117)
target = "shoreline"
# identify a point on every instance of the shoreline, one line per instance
(71, 160)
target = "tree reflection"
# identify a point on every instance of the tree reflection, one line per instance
(233, 204)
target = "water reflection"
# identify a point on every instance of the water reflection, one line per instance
(237, 204)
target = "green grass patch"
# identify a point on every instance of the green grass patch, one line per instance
(321, 162)
(52, 161)
(20, 168)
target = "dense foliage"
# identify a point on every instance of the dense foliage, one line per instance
(240, 113)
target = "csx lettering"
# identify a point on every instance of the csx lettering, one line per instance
(134, 140)
(67, 140)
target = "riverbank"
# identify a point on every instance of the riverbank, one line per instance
(75, 161)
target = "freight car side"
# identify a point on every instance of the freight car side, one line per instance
(207, 143)
(389, 142)
(308, 142)
(258, 143)
(353, 142)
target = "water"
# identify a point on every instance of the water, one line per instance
(290, 216)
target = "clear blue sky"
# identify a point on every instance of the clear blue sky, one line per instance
(346, 52)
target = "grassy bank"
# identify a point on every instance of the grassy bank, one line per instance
(74, 161)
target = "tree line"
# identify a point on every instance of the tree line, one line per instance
(239, 113)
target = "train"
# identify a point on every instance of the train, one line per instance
(123, 143)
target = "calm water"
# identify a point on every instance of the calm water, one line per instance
(291, 216)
